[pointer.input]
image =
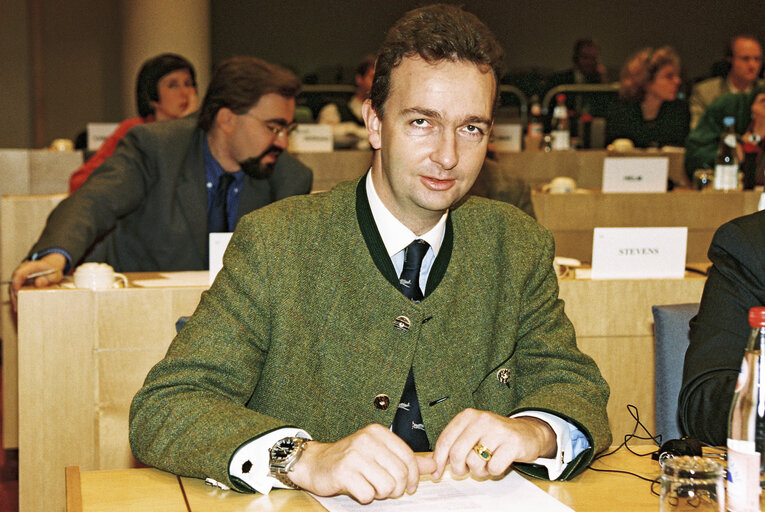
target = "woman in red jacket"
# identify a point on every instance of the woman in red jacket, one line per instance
(166, 88)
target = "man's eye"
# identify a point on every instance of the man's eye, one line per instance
(420, 123)
(473, 130)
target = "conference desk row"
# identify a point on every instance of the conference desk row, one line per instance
(139, 490)
(40, 171)
(83, 354)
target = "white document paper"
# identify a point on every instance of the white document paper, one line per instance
(311, 138)
(218, 244)
(639, 253)
(507, 137)
(635, 174)
(513, 492)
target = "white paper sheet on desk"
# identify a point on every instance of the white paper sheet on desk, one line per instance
(463, 495)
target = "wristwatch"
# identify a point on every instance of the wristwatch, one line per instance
(282, 457)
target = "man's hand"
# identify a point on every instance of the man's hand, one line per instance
(52, 261)
(521, 439)
(373, 463)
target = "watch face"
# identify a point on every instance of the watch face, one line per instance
(283, 448)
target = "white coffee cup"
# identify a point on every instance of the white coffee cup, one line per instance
(98, 276)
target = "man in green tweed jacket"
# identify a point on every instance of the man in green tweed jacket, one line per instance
(307, 332)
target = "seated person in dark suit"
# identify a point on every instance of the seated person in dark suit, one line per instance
(720, 331)
(149, 207)
(334, 113)
(587, 70)
(494, 183)
(649, 113)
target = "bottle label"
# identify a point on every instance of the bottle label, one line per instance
(560, 139)
(726, 177)
(730, 140)
(536, 128)
(743, 476)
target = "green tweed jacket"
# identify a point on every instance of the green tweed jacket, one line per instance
(300, 328)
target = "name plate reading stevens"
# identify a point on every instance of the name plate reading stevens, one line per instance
(639, 253)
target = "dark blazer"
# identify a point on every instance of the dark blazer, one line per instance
(145, 207)
(720, 331)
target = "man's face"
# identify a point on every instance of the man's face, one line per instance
(588, 59)
(746, 61)
(254, 145)
(433, 137)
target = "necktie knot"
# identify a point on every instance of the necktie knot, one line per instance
(410, 274)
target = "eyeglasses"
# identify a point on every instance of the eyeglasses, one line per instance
(276, 128)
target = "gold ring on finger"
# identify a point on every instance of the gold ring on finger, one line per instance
(482, 451)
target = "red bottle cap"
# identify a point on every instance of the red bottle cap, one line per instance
(560, 97)
(757, 317)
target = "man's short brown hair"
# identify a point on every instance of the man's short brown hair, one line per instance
(435, 33)
(239, 82)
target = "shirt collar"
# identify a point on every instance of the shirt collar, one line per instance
(394, 234)
(734, 89)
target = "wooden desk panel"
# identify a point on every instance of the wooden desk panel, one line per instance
(329, 169)
(572, 217)
(82, 356)
(585, 166)
(614, 325)
(22, 218)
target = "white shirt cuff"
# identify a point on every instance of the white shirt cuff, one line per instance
(555, 466)
(250, 461)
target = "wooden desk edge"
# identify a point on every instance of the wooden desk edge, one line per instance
(73, 489)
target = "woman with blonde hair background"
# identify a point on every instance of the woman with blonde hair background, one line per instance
(648, 111)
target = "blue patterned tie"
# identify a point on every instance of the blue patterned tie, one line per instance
(407, 423)
(217, 218)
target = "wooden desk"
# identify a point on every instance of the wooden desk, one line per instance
(151, 489)
(572, 217)
(22, 218)
(37, 171)
(585, 166)
(84, 354)
(329, 169)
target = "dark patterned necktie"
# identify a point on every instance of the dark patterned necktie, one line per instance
(407, 423)
(217, 218)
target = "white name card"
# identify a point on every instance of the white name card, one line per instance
(635, 174)
(639, 253)
(218, 244)
(98, 133)
(507, 137)
(311, 138)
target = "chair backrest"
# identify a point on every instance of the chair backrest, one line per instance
(670, 343)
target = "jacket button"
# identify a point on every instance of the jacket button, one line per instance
(503, 375)
(382, 402)
(402, 323)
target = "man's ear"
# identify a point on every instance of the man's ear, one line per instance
(225, 120)
(373, 123)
